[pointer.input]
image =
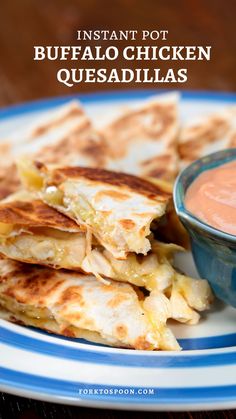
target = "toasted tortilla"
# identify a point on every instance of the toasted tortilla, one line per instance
(21, 210)
(33, 232)
(142, 140)
(76, 305)
(207, 134)
(76, 144)
(118, 209)
(64, 135)
(9, 180)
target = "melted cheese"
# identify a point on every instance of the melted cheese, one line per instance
(65, 251)
(106, 224)
(61, 249)
(29, 175)
(29, 317)
(119, 217)
(5, 229)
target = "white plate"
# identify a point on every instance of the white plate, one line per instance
(73, 371)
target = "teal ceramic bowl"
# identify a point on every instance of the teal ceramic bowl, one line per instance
(214, 251)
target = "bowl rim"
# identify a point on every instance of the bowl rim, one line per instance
(207, 162)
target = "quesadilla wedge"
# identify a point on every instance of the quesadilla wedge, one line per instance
(63, 135)
(67, 139)
(33, 232)
(142, 140)
(206, 134)
(77, 305)
(116, 208)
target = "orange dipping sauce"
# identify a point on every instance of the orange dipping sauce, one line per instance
(212, 197)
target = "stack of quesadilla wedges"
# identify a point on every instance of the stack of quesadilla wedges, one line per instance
(81, 258)
(139, 140)
(88, 231)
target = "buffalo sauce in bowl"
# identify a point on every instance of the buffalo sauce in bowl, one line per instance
(211, 197)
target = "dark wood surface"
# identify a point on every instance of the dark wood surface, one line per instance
(19, 408)
(25, 23)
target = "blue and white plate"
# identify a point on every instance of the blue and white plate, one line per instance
(73, 371)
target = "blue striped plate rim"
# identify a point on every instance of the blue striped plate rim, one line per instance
(72, 390)
(112, 358)
(118, 95)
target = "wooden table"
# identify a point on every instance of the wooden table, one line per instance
(26, 23)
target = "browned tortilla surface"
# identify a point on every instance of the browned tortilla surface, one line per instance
(122, 180)
(35, 214)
